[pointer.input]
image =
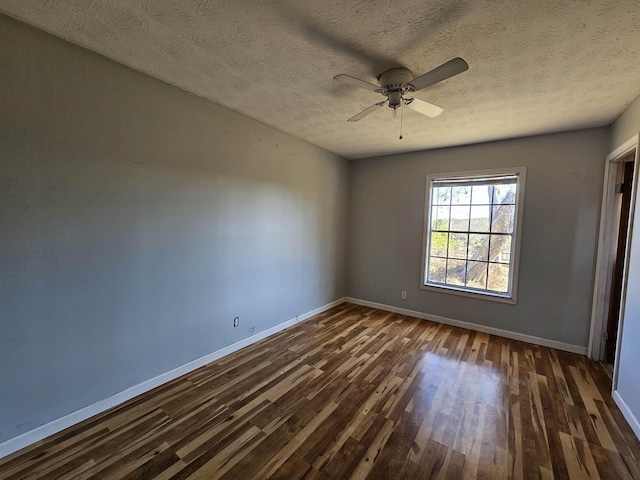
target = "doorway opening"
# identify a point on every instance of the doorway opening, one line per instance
(614, 239)
(623, 206)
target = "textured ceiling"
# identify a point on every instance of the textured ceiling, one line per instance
(536, 66)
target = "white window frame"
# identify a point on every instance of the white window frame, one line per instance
(511, 295)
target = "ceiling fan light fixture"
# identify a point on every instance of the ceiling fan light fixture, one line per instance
(395, 99)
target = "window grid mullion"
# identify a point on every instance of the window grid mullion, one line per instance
(466, 260)
(486, 278)
(472, 232)
(479, 261)
(446, 263)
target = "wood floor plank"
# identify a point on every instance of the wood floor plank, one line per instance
(579, 460)
(358, 393)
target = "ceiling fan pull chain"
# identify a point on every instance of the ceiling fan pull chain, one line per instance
(401, 116)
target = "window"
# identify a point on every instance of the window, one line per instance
(472, 232)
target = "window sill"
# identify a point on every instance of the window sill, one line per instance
(469, 293)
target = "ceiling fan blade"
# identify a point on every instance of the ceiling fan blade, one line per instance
(438, 74)
(357, 82)
(367, 111)
(425, 108)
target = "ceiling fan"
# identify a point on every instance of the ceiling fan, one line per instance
(398, 86)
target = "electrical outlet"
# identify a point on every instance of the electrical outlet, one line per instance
(236, 322)
(403, 296)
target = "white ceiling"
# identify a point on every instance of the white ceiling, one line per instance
(536, 66)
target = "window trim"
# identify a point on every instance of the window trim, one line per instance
(511, 296)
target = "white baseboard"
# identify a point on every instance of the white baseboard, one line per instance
(627, 413)
(32, 436)
(567, 347)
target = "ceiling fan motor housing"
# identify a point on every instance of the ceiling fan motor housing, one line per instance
(395, 83)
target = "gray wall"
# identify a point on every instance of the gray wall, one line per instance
(626, 125)
(136, 221)
(563, 192)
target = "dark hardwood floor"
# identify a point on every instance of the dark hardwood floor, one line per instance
(358, 393)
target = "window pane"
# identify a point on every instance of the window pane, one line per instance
(440, 218)
(478, 247)
(481, 194)
(498, 278)
(460, 219)
(437, 270)
(504, 194)
(442, 196)
(500, 248)
(477, 274)
(479, 218)
(439, 244)
(471, 229)
(460, 195)
(458, 245)
(456, 272)
(502, 220)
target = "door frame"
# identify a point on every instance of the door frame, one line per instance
(605, 259)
